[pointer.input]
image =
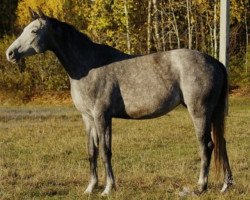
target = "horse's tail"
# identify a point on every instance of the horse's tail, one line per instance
(218, 123)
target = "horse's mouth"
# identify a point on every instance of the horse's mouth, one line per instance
(14, 60)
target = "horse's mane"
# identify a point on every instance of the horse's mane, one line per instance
(68, 31)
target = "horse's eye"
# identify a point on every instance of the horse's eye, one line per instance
(34, 31)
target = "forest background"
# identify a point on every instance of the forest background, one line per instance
(132, 26)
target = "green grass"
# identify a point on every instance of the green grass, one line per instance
(42, 155)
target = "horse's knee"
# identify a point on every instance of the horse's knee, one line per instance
(92, 153)
(106, 155)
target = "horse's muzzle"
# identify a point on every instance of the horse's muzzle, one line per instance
(12, 56)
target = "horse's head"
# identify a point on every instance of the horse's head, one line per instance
(33, 39)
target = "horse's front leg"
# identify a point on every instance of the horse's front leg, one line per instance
(92, 145)
(103, 126)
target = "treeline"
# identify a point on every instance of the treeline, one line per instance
(136, 27)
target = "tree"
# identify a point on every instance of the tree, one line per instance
(127, 26)
(189, 22)
(149, 26)
(7, 16)
(156, 25)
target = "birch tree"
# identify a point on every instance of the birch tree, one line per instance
(162, 26)
(247, 15)
(127, 26)
(215, 37)
(174, 23)
(156, 25)
(189, 23)
(149, 29)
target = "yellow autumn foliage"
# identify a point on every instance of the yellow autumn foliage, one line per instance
(53, 8)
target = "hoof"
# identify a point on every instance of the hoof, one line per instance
(106, 192)
(202, 189)
(88, 191)
(198, 192)
(227, 184)
(226, 187)
(90, 188)
(108, 189)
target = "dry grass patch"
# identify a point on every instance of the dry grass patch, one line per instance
(43, 155)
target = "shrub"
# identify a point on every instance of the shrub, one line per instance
(42, 73)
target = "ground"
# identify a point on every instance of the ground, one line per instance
(43, 155)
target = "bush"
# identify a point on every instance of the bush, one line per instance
(42, 73)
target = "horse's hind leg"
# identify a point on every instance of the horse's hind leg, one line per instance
(228, 178)
(92, 142)
(202, 124)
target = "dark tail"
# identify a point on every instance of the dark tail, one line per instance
(218, 123)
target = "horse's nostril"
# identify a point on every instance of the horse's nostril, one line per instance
(11, 54)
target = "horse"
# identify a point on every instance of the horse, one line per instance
(106, 83)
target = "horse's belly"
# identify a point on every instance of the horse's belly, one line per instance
(152, 105)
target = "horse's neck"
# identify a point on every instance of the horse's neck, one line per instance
(76, 61)
(79, 58)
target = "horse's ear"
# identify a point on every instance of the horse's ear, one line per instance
(41, 14)
(33, 14)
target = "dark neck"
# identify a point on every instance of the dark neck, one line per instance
(72, 48)
(77, 53)
(73, 59)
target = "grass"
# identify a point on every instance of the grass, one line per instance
(43, 155)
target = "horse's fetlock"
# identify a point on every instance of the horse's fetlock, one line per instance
(202, 187)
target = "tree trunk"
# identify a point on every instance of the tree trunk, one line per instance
(215, 30)
(203, 36)
(170, 29)
(211, 49)
(162, 28)
(149, 26)
(156, 26)
(247, 45)
(196, 34)
(189, 24)
(127, 26)
(175, 24)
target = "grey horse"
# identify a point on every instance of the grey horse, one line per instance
(106, 83)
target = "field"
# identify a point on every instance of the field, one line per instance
(43, 155)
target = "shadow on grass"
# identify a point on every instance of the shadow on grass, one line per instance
(43, 192)
(50, 188)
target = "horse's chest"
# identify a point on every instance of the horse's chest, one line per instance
(81, 100)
